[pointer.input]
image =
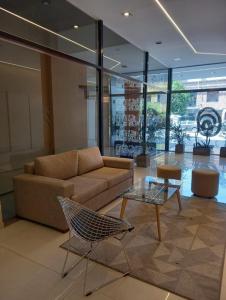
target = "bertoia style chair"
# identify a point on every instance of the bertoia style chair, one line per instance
(91, 227)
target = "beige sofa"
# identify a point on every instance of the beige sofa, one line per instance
(84, 176)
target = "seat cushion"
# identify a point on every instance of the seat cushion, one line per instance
(89, 159)
(112, 175)
(60, 166)
(169, 172)
(86, 188)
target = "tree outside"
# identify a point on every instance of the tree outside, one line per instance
(180, 101)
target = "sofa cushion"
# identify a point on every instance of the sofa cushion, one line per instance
(60, 166)
(86, 188)
(112, 175)
(89, 159)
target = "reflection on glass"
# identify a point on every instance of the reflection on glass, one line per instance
(200, 77)
(157, 81)
(156, 121)
(123, 107)
(120, 55)
(52, 26)
(184, 111)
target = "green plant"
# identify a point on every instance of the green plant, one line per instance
(178, 134)
(179, 101)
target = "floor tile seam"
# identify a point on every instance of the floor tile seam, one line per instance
(28, 259)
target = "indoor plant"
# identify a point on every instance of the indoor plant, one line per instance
(203, 147)
(178, 134)
(143, 159)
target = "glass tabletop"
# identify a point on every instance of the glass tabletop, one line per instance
(150, 191)
(170, 182)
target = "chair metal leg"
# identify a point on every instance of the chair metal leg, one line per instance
(85, 277)
(108, 282)
(65, 273)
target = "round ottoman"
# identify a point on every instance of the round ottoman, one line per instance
(205, 182)
(169, 172)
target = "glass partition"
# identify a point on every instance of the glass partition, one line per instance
(28, 81)
(120, 55)
(200, 77)
(156, 121)
(21, 122)
(54, 24)
(157, 80)
(185, 108)
(123, 117)
(75, 105)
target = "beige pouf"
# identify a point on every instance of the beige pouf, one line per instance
(205, 182)
(169, 172)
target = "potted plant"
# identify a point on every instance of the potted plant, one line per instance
(223, 149)
(178, 134)
(143, 159)
(203, 147)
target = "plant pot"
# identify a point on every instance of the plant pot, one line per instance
(201, 151)
(179, 148)
(143, 160)
(152, 147)
(223, 152)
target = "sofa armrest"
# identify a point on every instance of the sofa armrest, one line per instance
(44, 185)
(36, 199)
(117, 162)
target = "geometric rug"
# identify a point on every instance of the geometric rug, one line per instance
(188, 261)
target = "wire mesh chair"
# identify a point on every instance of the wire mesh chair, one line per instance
(91, 227)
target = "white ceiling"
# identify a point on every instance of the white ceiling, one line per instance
(202, 21)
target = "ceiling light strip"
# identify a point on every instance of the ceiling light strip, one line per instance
(175, 25)
(181, 32)
(18, 66)
(55, 33)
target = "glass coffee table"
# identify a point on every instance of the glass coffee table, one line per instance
(155, 191)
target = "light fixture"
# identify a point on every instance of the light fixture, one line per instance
(126, 14)
(177, 59)
(46, 2)
(163, 9)
(75, 26)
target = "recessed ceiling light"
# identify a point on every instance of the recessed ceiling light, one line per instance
(158, 42)
(126, 14)
(46, 2)
(177, 59)
(76, 26)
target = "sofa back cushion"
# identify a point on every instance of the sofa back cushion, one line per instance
(60, 166)
(89, 159)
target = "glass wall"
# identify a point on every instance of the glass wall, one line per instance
(156, 121)
(54, 24)
(200, 77)
(21, 122)
(29, 82)
(75, 105)
(120, 55)
(187, 105)
(123, 116)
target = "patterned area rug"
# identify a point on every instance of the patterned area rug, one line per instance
(189, 260)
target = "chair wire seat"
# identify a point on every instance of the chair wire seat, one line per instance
(91, 227)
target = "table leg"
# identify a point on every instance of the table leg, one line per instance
(158, 221)
(123, 207)
(178, 199)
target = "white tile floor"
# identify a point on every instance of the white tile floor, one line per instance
(31, 260)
